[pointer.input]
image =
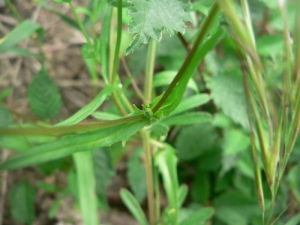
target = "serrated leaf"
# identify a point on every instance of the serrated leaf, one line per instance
(89, 108)
(235, 142)
(43, 95)
(136, 175)
(70, 144)
(19, 33)
(86, 187)
(133, 206)
(150, 17)
(227, 91)
(104, 172)
(21, 200)
(193, 141)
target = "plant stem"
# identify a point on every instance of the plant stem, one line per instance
(13, 10)
(66, 129)
(81, 25)
(149, 175)
(117, 44)
(203, 30)
(146, 134)
(149, 72)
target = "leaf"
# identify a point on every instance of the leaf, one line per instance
(19, 33)
(191, 102)
(43, 95)
(89, 108)
(233, 208)
(21, 200)
(105, 116)
(150, 17)
(182, 193)
(136, 175)
(165, 78)
(235, 143)
(193, 141)
(201, 187)
(86, 186)
(172, 100)
(294, 220)
(166, 161)
(187, 119)
(198, 217)
(5, 117)
(4, 93)
(70, 144)
(227, 92)
(270, 45)
(104, 172)
(133, 206)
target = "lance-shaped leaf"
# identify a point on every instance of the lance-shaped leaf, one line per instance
(150, 17)
(70, 144)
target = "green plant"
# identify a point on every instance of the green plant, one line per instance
(207, 146)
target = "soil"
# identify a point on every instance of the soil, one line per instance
(66, 67)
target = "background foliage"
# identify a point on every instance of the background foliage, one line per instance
(189, 133)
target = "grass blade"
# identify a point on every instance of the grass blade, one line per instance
(86, 187)
(19, 33)
(134, 207)
(89, 108)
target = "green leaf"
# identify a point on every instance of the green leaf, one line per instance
(182, 193)
(150, 17)
(21, 200)
(4, 93)
(233, 208)
(193, 141)
(227, 92)
(43, 95)
(191, 102)
(86, 187)
(172, 100)
(270, 45)
(198, 217)
(165, 78)
(104, 172)
(133, 206)
(166, 161)
(5, 117)
(19, 33)
(70, 144)
(136, 175)
(89, 108)
(105, 116)
(235, 143)
(25, 53)
(200, 189)
(187, 119)
(294, 220)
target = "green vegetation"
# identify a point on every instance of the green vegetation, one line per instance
(218, 123)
